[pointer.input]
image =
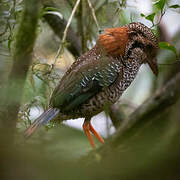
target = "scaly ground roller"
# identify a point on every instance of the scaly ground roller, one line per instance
(101, 75)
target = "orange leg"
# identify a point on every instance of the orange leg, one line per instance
(88, 129)
(96, 134)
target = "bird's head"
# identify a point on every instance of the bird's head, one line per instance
(121, 42)
(143, 37)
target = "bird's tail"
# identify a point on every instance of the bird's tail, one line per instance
(44, 118)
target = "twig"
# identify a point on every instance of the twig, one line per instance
(93, 14)
(58, 25)
(159, 21)
(169, 64)
(61, 47)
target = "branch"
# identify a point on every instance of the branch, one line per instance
(58, 26)
(145, 137)
(117, 112)
(61, 47)
(93, 14)
(162, 99)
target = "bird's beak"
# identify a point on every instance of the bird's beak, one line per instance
(153, 65)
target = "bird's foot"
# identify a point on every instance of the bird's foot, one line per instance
(88, 129)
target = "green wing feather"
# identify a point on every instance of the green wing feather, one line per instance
(82, 82)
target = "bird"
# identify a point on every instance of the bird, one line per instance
(100, 76)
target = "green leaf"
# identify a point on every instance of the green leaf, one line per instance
(142, 15)
(151, 17)
(9, 44)
(160, 4)
(175, 6)
(168, 46)
(50, 9)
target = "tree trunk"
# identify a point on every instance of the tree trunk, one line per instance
(12, 91)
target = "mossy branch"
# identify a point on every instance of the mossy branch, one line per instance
(144, 136)
(13, 90)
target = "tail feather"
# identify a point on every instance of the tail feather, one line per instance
(44, 118)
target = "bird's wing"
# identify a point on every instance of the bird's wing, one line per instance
(83, 81)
